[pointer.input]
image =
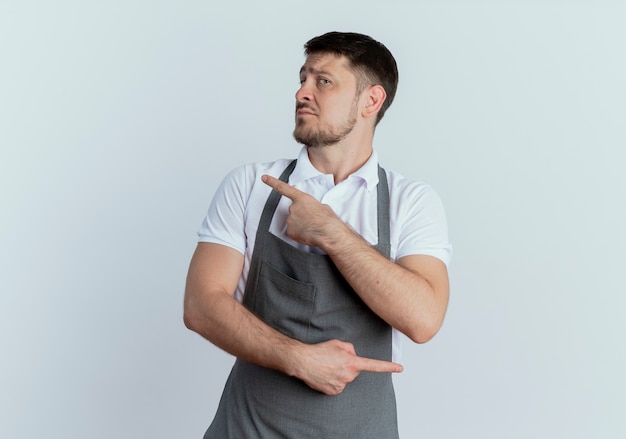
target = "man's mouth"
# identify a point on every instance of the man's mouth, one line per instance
(302, 110)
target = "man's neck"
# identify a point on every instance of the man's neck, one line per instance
(340, 160)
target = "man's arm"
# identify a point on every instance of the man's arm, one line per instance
(411, 294)
(211, 310)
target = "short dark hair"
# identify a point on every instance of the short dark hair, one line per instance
(371, 61)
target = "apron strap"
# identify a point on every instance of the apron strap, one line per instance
(272, 201)
(384, 240)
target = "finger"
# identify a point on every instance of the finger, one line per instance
(372, 365)
(281, 187)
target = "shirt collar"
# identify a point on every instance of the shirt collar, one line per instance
(305, 170)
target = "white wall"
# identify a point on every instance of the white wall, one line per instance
(118, 119)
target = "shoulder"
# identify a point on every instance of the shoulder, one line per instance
(252, 170)
(402, 188)
(244, 178)
(246, 171)
(239, 198)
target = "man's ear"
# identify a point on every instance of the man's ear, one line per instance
(374, 100)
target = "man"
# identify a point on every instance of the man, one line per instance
(308, 271)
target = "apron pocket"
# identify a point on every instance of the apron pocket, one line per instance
(284, 303)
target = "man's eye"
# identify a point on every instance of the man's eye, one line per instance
(323, 81)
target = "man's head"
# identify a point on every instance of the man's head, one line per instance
(371, 61)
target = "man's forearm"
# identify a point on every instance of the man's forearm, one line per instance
(399, 295)
(225, 322)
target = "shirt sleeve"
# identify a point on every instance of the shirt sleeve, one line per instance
(224, 222)
(424, 228)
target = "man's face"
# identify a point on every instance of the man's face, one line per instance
(326, 103)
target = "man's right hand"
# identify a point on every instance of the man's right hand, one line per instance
(329, 366)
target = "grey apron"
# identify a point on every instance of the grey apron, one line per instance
(304, 296)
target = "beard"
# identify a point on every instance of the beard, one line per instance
(324, 135)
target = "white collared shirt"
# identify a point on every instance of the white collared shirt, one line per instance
(417, 218)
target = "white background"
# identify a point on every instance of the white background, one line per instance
(118, 119)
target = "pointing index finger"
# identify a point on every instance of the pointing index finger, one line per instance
(372, 365)
(280, 186)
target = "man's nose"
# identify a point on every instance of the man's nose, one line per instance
(304, 93)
